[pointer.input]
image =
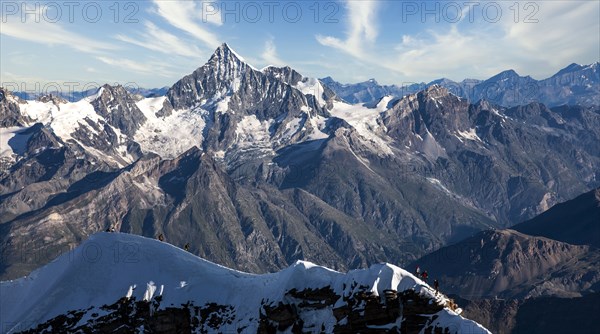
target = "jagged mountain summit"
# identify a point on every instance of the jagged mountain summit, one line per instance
(130, 283)
(573, 85)
(238, 99)
(260, 168)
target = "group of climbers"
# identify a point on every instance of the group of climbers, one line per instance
(424, 276)
(186, 247)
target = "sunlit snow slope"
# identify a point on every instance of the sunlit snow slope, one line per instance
(110, 266)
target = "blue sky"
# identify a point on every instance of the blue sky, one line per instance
(154, 43)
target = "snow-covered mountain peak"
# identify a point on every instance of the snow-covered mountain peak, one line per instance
(123, 269)
(225, 48)
(227, 64)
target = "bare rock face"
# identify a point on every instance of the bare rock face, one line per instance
(478, 147)
(498, 315)
(360, 312)
(10, 114)
(535, 315)
(191, 199)
(129, 315)
(118, 107)
(558, 257)
(285, 74)
(55, 99)
(508, 280)
(509, 264)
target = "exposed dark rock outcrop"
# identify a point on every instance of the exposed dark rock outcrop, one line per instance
(129, 316)
(10, 114)
(118, 107)
(404, 312)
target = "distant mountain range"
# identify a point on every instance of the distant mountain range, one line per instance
(573, 85)
(74, 96)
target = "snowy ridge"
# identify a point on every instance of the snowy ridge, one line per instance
(384, 103)
(109, 266)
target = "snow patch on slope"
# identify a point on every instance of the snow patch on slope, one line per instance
(469, 135)
(168, 136)
(439, 185)
(223, 105)
(318, 123)
(252, 134)
(292, 127)
(12, 141)
(364, 120)
(383, 103)
(312, 86)
(63, 119)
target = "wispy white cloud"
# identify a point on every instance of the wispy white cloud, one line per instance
(362, 30)
(367, 43)
(19, 81)
(153, 68)
(49, 33)
(156, 39)
(269, 55)
(434, 53)
(187, 16)
(564, 32)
